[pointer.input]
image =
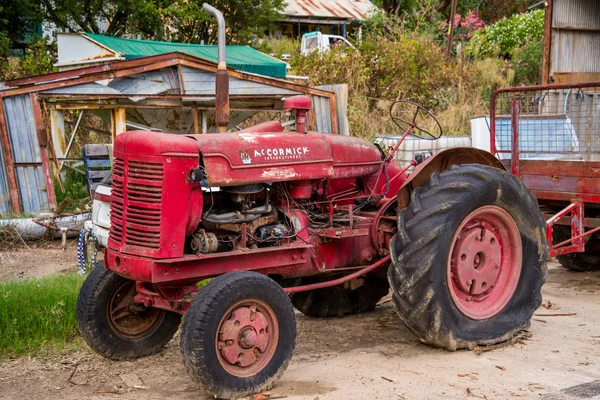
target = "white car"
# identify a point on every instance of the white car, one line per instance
(99, 225)
(316, 41)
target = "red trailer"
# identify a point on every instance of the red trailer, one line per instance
(549, 136)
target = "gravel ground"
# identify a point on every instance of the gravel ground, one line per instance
(367, 356)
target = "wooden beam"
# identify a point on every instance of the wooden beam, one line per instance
(43, 142)
(196, 123)
(547, 44)
(118, 121)
(9, 163)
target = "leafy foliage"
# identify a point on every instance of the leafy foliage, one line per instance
(39, 58)
(17, 18)
(507, 35)
(245, 19)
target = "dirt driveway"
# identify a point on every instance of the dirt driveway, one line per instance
(369, 356)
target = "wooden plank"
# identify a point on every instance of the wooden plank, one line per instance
(43, 142)
(103, 163)
(98, 174)
(561, 168)
(566, 184)
(9, 162)
(95, 150)
(547, 44)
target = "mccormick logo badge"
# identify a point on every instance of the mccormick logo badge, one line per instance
(245, 156)
(281, 154)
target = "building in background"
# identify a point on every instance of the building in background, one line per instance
(571, 50)
(338, 17)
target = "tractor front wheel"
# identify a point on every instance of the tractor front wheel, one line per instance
(468, 261)
(116, 327)
(238, 335)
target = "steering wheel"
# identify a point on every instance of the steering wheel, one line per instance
(407, 114)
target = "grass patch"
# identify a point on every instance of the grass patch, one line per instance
(38, 315)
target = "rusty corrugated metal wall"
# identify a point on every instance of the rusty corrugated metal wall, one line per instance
(5, 208)
(575, 36)
(26, 154)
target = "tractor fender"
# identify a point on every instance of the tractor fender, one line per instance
(441, 162)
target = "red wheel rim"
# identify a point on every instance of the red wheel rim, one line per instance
(127, 319)
(485, 262)
(247, 337)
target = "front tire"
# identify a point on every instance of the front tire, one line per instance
(113, 325)
(468, 261)
(238, 335)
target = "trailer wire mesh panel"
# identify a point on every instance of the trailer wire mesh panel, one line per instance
(554, 122)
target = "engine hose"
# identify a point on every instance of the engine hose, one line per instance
(84, 236)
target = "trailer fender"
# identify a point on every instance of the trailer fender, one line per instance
(441, 162)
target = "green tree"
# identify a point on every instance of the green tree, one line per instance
(122, 16)
(16, 19)
(175, 20)
(186, 21)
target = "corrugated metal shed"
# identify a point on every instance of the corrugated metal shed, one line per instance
(356, 10)
(575, 37)
(171, 92)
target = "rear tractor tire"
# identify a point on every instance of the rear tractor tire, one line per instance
(113, 325)
(468, 261)
(337, 301)
(238, 335)
(589, 260)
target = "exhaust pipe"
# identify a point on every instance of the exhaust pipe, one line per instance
(222, 78)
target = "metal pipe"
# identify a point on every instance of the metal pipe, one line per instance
(222, 77)
(338, 281)
(221, 36)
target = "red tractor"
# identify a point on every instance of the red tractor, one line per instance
(323, 223)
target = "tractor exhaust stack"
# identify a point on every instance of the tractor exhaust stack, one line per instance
(222, 78)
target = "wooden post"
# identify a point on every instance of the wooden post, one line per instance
(119, 120)
(43, 142)
(57, 132)
(451, 32)
(196, 124)
(547, 45)
(9, 162)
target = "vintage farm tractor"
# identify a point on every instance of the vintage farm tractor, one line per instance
(549, 136)
(323, 223)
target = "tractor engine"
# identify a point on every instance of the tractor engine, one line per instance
(177, 195)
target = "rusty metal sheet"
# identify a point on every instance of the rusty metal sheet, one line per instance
(342, 9)
(322, 114)
(26, 153)
(5, 207)
(203, 82)
(575, 36)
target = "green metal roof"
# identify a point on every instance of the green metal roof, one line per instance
(240, 57)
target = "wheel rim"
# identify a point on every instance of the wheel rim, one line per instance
(247, 337)
(128, 319)
(485, 262)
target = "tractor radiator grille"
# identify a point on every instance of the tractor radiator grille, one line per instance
(136, 219)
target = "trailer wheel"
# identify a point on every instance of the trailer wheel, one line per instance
(113, 325)
(468, 261)
(337, 301)
(579, 262)
(238, 335)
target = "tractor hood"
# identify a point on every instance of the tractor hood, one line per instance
(239, 158)
(231, 159)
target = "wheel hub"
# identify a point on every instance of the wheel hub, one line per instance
(126, 318)
(484, 263)
(476, 267)
(244, 336)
